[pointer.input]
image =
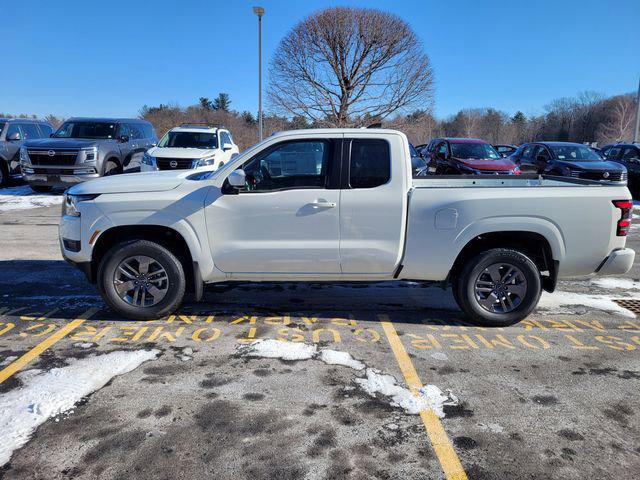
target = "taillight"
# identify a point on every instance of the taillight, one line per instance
(624, 222)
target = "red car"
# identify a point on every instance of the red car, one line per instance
(469, 156)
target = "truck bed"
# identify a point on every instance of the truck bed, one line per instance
(576, 217)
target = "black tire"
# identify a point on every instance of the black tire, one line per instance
(4, 175)
(465, 284)
(41, 188)
(161, 255)
(111, 168)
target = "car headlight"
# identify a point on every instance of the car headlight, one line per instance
(148, 159)
(90, 154)
(203, 162)
(24, 156)
(71, 202)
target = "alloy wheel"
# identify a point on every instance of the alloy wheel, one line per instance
(500, 288)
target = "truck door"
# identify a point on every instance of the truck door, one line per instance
(373, 204)
(286, 219)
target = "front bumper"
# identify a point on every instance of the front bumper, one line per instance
(618, 262)
(57, 179)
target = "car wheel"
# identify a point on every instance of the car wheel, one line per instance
(141, 280)
(4, 177)
(498, 287)
(110, 168)
(41, 188)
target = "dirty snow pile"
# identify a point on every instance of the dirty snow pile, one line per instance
(612, 283)
(563, 303)
(47, 394)
(430, 396)
(374, 382)
(22, 198)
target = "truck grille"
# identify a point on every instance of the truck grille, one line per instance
(614, 176)
(168, 163)
(53, 157)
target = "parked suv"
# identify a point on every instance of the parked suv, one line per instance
(191, 146)
(85, 148)
(13, 133)
(627, 154)
(569, 160)
(451, 156)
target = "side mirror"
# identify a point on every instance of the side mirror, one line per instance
(52, 135)
(541, 159)
(124, 138)
(226, 146)
(14, 137)
(237, 178)
(441, 155)
(503, 155)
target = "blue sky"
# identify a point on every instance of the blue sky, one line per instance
(72, 57)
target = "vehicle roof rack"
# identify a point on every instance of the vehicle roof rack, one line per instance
(202, 125)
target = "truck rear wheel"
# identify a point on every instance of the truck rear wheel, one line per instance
(498, 287)
(141, 280)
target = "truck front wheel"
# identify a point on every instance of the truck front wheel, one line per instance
(498, 287)
(141, 280)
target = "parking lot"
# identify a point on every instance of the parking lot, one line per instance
(85, 394)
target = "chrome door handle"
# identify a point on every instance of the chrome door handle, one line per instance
(322, 204)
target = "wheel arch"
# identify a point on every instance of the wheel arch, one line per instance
(533, 244)
(165, 236)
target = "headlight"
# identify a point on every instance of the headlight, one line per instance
(148, 159)
(24, 156)
(203, 162)
(70, 203)
(90, 154)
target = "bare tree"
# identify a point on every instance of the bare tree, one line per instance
(619, 123)
(342, 65)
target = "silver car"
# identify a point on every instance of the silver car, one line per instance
(85, 148)
(13, 133)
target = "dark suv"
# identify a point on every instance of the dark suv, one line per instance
(627, 154)
(85, 148)
(569, 160)
(13, 133)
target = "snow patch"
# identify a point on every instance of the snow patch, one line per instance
(84, 345)
(612, 283)
(560, 303)
(430, 397)
(22, 198)
(48, 394)
(279, 349)
(8, 360)
(334, 357)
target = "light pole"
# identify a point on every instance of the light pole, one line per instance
(637, 126)
(259, 11)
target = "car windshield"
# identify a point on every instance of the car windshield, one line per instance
(575, 153)
(103, 130)
(189, 140)
(474, 150)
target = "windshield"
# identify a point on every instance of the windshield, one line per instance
(189, 140)
(474, 150)
(575, 153)
(86, 130)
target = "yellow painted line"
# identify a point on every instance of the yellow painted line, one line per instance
(443, 447)
(36, 351)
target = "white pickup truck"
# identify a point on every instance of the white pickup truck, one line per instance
(338, 205)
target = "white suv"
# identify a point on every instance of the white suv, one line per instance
(190, 146)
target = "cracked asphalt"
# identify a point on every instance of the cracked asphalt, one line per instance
(555, 396)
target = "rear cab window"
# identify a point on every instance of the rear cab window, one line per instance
(370, 163)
